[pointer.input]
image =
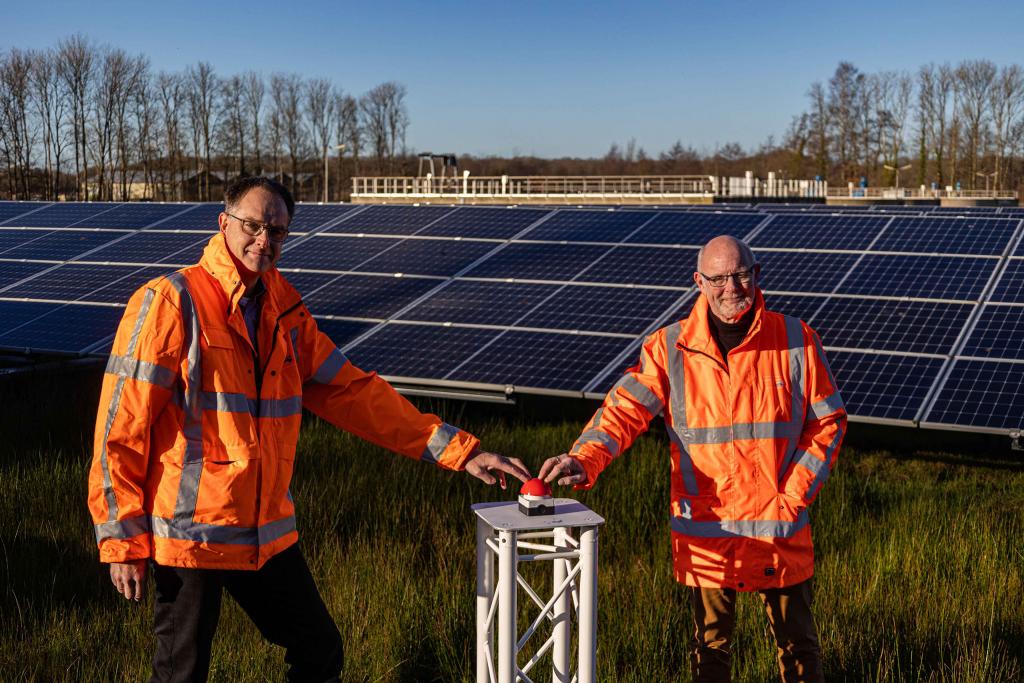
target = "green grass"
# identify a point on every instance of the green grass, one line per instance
(919, 568)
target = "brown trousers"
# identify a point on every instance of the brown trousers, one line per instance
(791, 621)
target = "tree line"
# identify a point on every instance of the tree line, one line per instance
(82, 120)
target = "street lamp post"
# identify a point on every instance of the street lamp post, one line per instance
(897, 169)
(986, 176)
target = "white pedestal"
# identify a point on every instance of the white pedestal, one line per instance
(504, 534)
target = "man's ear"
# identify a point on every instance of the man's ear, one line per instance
(222, 221)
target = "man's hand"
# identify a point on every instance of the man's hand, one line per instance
(482, 463)
(565, 468)
(129, 578)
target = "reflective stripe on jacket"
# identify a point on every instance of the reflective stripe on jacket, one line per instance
(751, 444)
(196, 436)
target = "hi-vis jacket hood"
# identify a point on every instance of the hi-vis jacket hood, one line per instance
(197, 426)
(751, 443)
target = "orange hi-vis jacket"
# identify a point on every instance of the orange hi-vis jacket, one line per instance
(197, 426)
(751, 442)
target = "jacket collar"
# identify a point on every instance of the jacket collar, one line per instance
(217, 262)
(696, 332)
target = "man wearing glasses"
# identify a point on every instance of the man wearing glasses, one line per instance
(195, 440)
(755, 422)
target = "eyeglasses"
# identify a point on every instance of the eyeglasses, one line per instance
(275, 233)
(718, 281)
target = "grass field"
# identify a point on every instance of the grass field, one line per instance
(919, 567)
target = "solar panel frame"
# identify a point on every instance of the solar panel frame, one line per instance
(389, 219)
(947, 235)
(892, 325)
(620, 310)
(367, 296)
(541, 361)
(884, 387)
(696, 228)
(59, 215)
(813, 230)
(478, 302)
(997, 333)
(63, 245)
(951, 278)
(67, 328)
(979, 395)
(1009, 287)
(484, 222)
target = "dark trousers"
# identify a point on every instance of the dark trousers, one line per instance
(790, 619)
(280, 598)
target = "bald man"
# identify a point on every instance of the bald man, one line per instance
(755, 422)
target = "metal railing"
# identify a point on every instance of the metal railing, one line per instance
(583, 187)
(853, 192)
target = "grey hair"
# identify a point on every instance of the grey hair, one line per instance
(745, 251)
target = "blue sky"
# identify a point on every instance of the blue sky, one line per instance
(550, 78)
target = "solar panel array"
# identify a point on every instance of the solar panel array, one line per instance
(922, 315)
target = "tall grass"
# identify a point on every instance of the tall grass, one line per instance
(919, 568)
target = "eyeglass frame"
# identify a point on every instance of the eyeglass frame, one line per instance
(749, 273)
(261, 228)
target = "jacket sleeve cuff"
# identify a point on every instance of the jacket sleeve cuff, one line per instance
(125, 550)
(450, 447)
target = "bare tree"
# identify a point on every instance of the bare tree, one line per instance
(76, 65)
(252, 98)
(320, 112)
(820, 123)
(286, 96)
(234, 118)
(170, 91)
(348, 131)
(202, 85)
(145, 115)
(386, 119)
(975, 79)
(1006, 104)
(50, 105)
(892, 115)
(843, 99)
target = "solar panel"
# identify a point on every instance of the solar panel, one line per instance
(1010, 288)
(69, 328)
(810, 271)
(59, 215)
(484, 222)
(427, 351)
(390, 220)
(891, 325)
(964, 210)
(367, 296)
(307, 283)
(343, 332)
(153, 247)
(664, 266)
(313, 216)
(933, 277)
(883, 386)
(987, 394)
(69, 281)
(589, 226)
(1019, 251)
(132, 215)
(557, 262)
(120, 291)
(541, 360)
(439, 257)
(14, 237)
(695, 228)
(630, 357)
(62, 245)
(13, 271)
(816, 231)
(199, 217)
(480, 303)
(14, 314)
(1014, 211)
(998, 333)
(947, 235)
(324, 252)
(9, 210)
(623, 310)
